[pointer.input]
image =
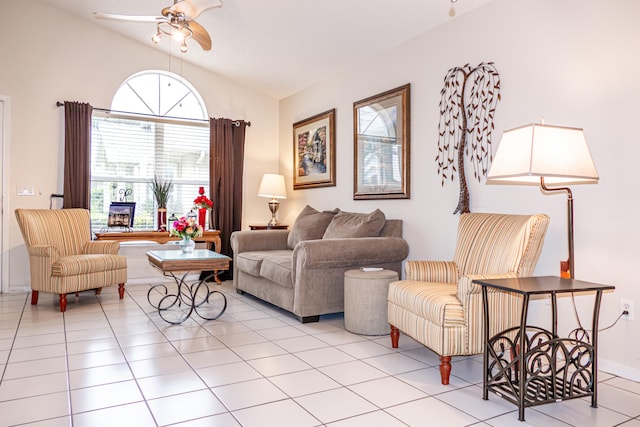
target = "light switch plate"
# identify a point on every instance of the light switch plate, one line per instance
(25, 190)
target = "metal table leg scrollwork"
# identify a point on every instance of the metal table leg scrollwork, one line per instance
(207, 302)
(529, 365)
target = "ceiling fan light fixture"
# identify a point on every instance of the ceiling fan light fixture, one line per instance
(156, 37)
(177, 22)
(178, 36)
(176, 29)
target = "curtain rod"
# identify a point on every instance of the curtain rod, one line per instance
(235, 122)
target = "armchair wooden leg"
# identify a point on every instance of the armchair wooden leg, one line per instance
(395, 336)
(121, 290)
(445, 369)
(98, 291)
(34, 297)
(63, 303)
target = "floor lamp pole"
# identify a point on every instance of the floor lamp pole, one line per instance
(571, 261)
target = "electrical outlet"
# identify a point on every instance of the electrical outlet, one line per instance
(627, 305)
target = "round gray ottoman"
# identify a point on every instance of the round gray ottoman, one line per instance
(365, 301)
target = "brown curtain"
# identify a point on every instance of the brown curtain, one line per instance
(77, 155)
(225, 176)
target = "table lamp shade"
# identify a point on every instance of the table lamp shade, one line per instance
(272, 185)
(558, 154)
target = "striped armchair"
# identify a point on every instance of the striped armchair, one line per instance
(439, 306)
(63, 258)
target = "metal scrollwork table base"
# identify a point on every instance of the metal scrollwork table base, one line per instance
(177, 304)
(528, 365)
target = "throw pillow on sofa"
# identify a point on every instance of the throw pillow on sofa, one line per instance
(349, 224)
(309, 225)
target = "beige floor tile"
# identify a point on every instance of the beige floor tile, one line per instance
(33, 409)
(185, 407)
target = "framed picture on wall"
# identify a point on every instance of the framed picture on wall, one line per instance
(121, 214)
(381, 135)
(314, 151)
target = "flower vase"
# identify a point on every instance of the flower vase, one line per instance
(187, 245)
(202, 218)
(162, 219)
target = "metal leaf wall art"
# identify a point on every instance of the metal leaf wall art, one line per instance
(467, 107)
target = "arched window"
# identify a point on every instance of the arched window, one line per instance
(159, 93)
(157, 128)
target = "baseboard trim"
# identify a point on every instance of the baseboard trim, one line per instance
(618, 369)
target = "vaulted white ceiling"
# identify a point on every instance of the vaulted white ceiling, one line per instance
(279, 47)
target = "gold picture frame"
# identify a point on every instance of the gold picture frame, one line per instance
(381, 135)
(314, 151)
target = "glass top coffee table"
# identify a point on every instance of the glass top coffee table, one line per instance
(207, 302)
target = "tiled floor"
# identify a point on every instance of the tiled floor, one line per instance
(107, 362)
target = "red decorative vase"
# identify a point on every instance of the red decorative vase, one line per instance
(162, 219)
(202, 218)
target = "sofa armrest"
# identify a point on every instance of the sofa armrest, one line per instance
(258, 240)
(349, 252)
(432, 271)
(110, 247)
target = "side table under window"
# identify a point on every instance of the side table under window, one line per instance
(269, 227)
(529, 365)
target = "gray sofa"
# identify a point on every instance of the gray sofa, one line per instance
(302, 270)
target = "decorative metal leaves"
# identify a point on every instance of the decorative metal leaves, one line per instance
(467, 105)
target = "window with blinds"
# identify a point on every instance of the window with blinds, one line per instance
(127, 151)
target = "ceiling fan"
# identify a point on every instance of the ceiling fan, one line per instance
(177, 21)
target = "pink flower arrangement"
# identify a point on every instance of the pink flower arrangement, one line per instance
(186, 228)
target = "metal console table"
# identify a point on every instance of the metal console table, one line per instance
(198, 297)
(528, 365)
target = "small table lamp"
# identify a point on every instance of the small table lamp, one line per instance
(272, 185)
(544, 154)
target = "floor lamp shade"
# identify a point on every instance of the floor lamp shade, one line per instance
(273, 186)
(539, 154)
(558, 154)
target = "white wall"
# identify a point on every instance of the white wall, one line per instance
(48, 56)
(573, 62)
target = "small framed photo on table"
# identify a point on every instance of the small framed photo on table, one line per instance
(121, 214)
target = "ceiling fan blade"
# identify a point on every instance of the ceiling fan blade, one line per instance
(200, 35)
(128, 17)
(192, 8)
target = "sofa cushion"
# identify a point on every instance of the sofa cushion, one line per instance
(265, 263)
(277, 267)
(349, 224)
(250, 262)
(310, 225)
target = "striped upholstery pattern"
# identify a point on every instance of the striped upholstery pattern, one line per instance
(62, 257)
(439, 306)
(432, 271)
